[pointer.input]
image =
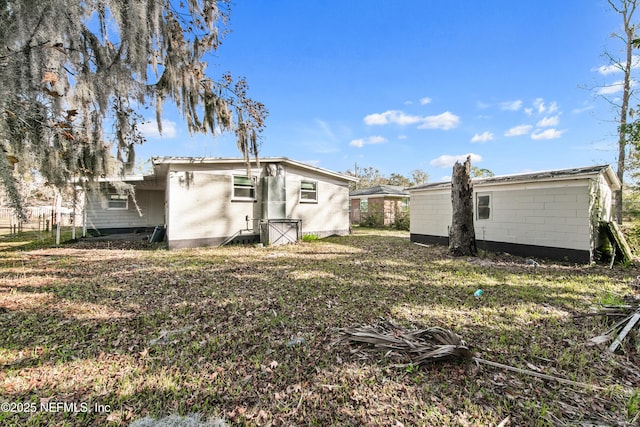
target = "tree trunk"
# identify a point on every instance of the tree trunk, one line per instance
(462, 235)
(622, 140)
(626, 9)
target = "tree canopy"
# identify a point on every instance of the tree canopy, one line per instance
(370, 177)
(69, 70)
(477, 172)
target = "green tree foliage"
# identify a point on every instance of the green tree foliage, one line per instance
(631, 205)
(370, 177)
(374, 217)
(418, 176)
(398, 180)
(401, 219)
(477, 172)
(69, 67)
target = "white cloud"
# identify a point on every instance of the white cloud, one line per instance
(320, 136)
(424, 101)
(542, 108)
(401, 137)
(444, 121)
(609, 69)
(582, 109)
(149, 129)
(391, 116)
(616, 67)
(547, 134)
(518, 130)
(549, 121)
(447, 160)
(511, 105)
(326, 129)
(612, 88)
(366, 141)
(376, 140)
(483, 137)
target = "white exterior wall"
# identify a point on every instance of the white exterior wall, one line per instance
(202, 211)
(430, 212)
(601, 209)
(150, 203)
(329, 215)
(554, 213)
(604, 199)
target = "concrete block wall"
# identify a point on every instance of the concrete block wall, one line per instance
(554, 215)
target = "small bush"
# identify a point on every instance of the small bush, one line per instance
(373, 218)
(402, 221)
(309, 237)
(631, 230)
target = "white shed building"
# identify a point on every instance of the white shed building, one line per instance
(213, 201)
(552, 214)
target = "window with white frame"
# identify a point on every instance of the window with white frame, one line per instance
(308, 191)
(244, 187)
(483, 206)
(364, 205)
(117, 201)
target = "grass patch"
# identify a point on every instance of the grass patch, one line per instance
(247, 333)
(31, 240)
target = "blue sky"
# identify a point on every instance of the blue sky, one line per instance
(414, 84)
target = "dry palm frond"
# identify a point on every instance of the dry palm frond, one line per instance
(413, 346)
(429, 345)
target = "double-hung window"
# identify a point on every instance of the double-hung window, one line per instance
(483, 206)
(244, 188)
(309, 191)
(364, 205)
(117, 201)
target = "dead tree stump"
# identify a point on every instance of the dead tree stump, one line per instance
(462, 235)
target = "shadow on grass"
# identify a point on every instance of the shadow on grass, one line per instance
(154, 333)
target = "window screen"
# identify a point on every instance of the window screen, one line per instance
(309, 191)
(244, 187)
(118, 201)
(483, 206)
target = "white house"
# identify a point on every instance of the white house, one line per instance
(213, 201)
(551, 214)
